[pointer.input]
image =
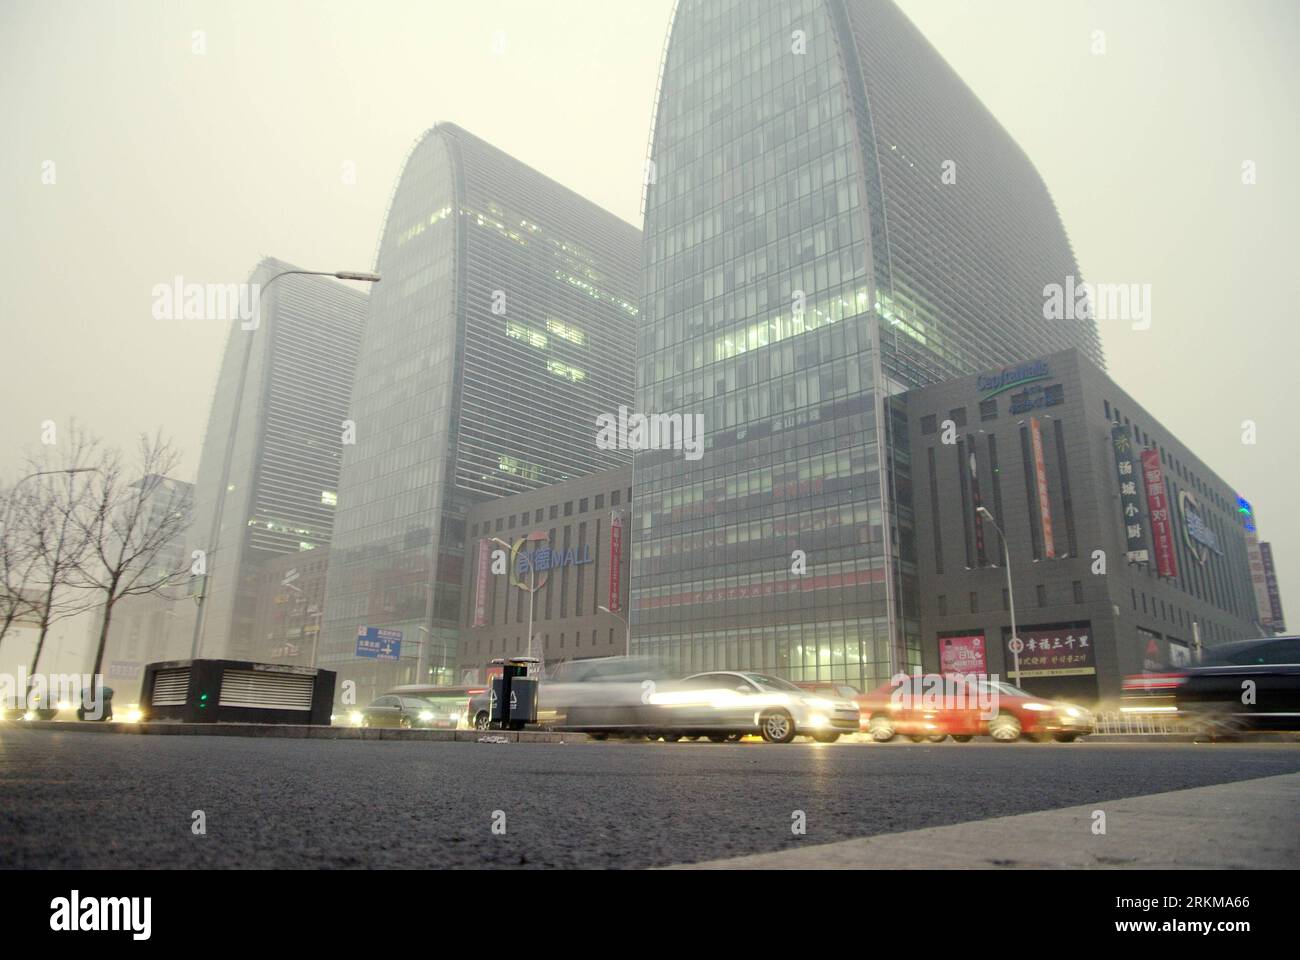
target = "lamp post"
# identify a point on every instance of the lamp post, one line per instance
(627, 625)
(532, 599)
(200, 616)
(1011, 594)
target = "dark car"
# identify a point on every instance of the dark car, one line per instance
(405, 712)
(1243, 685)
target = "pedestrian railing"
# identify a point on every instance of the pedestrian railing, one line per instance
(1142, 723)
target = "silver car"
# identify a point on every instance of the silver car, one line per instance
(734, 703)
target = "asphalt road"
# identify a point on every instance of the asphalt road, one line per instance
(81, 800)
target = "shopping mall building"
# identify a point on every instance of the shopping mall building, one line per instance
(1125, 548)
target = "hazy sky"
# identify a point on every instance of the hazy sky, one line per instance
(171, 162)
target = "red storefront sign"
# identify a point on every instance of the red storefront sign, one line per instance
(1040, 474)
(1162, 527)
(481, 585)
(615, 562)
(962, 655)
(1055, 653)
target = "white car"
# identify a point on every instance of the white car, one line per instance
(728, 704)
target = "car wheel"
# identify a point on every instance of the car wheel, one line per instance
(826, 737)
(481, 720)
(962, 737)
(937, 737)
(916, 737)
(1065, 737)
(778, 726)
(881, 728)
(1005, 728)
(734, 737)
(652, 737)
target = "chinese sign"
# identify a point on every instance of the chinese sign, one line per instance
(1162, 528)
(1055, 653)
(615, 561)
(1040, 475)
(962, 655)
(378, 644)
(481, 585)
(544, 558)
(1200, 537)
(1270, 581)
(1134, 539)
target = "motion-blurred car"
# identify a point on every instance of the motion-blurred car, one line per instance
(934, 707)
(1243, 685)
(405, 712)
(727, 704)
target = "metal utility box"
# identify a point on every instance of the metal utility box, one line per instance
(236, 691)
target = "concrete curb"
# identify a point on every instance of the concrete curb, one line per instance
(298, 731)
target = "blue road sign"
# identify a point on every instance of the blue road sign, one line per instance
(379, 644)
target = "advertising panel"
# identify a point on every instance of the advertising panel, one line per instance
(1055, 653)
(1162, 528)
(1135, 542)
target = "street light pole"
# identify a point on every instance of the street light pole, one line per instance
(627, 624)
(532, 599)
(1011, 593)
(200, 616)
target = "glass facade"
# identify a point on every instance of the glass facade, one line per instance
(802, 267)
(284, 452)
(503, 327)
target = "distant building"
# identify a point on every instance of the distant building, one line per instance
(504, 325)
(276, 494)
(1126, 548)
(572, 542)
(290, 605)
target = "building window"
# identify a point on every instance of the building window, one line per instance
(568, 508)
(511, 525)
(929, 424)
(1042, 595)
(989, 409)
(554, 510)
(613, 498)
(582, 505)
(974, 602)
(498, 524)
(1053, 395)
(600, 501)
(1078, 591)
(537, 517)
(942, 603)
(958, 416)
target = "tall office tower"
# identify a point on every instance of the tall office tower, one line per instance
(503, 327)
(833, 218)
(268, 473)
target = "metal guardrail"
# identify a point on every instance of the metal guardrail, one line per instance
(1116, 722)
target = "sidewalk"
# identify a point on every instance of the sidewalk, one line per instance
(1247, 825)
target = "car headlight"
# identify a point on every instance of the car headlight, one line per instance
(817, 720)
(1073, 712)
(29, 715)
(356, 718)
(425, 716)
(134, 716)
(1038, 706)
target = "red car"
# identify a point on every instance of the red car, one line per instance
(934, 707)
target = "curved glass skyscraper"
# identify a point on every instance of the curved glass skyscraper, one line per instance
(503, 327)
(833, 218)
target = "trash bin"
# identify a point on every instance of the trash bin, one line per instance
(512, 702)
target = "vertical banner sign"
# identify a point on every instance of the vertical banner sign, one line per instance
(1258, 579)
(976, 501)
(1270, 580)
(481, 585)
(615, 561)
(1134, 540)
(1162, 527)
(1040, 475)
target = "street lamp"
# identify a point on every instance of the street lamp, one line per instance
(626, 623)
(12, 499)
(1011, 595)
(200, 617)
(532, 599)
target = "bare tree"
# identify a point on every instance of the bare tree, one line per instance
(18, 560)
(132, 524)
(56, 529)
